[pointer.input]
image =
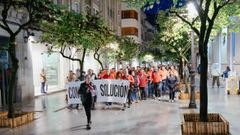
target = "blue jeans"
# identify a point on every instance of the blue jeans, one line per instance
(150, 89)
(134, 95)
(43, 87)
(162, 87)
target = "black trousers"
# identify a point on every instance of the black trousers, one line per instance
(87, 107)
(129, 97)
(94, 99)
(171, 94)
(156, 90)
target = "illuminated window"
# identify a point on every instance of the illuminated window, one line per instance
(126, 14)
(128, 31)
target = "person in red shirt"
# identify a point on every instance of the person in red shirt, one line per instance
(102, 74)
(156, 80)
(143, 83)
(107, 76)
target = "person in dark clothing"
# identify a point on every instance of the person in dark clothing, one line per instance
(226, 72)
(86, 91)
(172, 82)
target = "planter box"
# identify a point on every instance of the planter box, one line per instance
(185, 96)
(216, 125)
(18, 120)
(182, 87)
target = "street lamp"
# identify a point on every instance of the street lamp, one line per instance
(192, 13)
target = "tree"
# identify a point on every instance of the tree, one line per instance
(33, 11)
(172, 40)
(101, 47)
(73, 34)
(128, 48)
(208, 12)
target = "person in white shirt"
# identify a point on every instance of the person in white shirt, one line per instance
(215, 74)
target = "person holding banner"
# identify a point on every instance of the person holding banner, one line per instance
(86, 91)
(93, 77)
(107, 76)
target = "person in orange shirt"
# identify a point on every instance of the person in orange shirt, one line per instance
(156, 80)
(150, 85)
(112, 75)
(143, 83)
(164, 73)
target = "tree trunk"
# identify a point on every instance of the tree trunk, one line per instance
(83, 58)
(180, 69)
(203, 83)
(96, 56)
(13, 74)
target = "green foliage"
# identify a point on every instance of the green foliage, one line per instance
(172, 40)
(128, 48)
(76, 30)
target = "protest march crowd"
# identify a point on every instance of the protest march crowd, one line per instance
(143, 83)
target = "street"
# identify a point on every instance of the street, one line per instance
(151, 117)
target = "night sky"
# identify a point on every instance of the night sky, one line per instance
(163, 5)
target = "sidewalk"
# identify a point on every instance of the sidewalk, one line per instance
(150, 117)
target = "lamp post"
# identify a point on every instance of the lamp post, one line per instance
(192, 14)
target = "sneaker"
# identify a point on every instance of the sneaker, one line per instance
(170, 101)
(88, 127)
(123, 109)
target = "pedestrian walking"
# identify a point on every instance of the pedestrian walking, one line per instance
(215, 74)
(143, 83)
(43, 81)
(156, 80)
(172, 83)
(86, 91)
(93, 77)
(135, 88)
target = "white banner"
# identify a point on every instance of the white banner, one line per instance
(107, 91)
(111, 90)
(72, 92)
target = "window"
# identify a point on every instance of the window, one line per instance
(127, 14)
(127, 31)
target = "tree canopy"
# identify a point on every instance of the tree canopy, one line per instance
(73, 34)
(128, 48)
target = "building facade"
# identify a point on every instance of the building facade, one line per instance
(33, 55)
(223, 49)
